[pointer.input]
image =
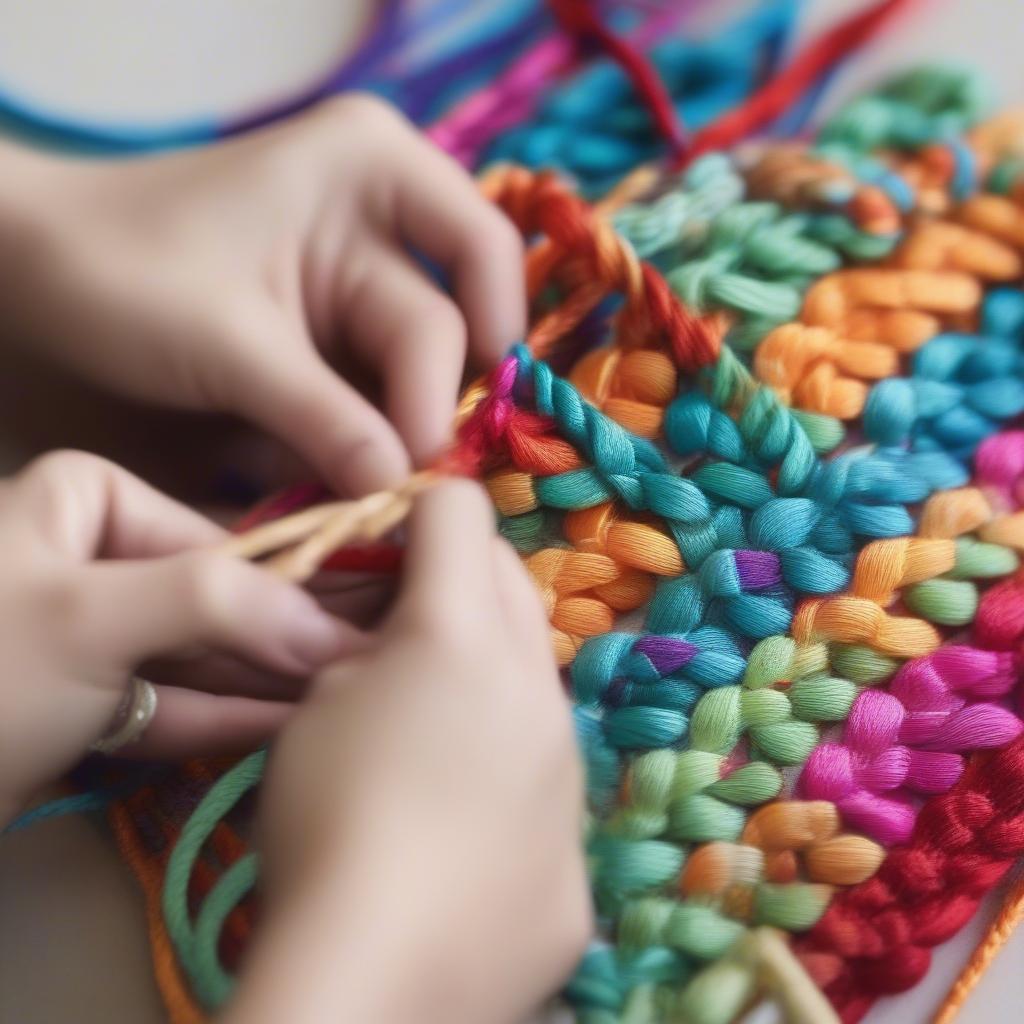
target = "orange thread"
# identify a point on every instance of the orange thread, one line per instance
(1009, 917)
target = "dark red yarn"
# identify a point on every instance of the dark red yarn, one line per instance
(876, 938)
(781, 92)
(579, 19)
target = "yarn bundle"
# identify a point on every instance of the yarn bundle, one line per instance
(760, 455)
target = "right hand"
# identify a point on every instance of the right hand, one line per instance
(422, 814)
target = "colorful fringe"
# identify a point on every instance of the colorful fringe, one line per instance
(757, 453)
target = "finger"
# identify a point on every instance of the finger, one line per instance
(88, 507)
(289, 390)
(226, 675)
(449, 566)
(214, 672)
(414, 337)
(140, 610)
(361, 604)
(190, 724)
(520, 601)
(440, 212)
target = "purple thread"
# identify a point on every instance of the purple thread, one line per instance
(758, 570)
(666, 654)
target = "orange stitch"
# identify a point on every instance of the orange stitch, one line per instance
(631, 543)
(632, 387)
(814, 368)
(851, 620)
(955, 512)
(831, 300)
(997, 215)
(886, 566)
(968, 510)
(1007, 530)
(942, 245)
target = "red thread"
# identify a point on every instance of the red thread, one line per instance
(779, 94)
(876, 938)
(579, 19)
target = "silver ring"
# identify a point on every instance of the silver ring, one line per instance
(134, 714)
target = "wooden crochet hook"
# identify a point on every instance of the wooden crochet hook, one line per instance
(295, 546)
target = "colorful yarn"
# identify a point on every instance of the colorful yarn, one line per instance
(876, 938)
(753, 455)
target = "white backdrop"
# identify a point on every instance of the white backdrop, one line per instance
(71, 945)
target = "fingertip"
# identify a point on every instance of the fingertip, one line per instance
(491, 285)
(367, 464)
(346, 439)
(313, 637)
(450, 530)
(455, 499)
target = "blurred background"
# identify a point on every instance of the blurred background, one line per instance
(72, 935)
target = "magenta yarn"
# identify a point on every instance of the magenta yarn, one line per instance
(907, 741)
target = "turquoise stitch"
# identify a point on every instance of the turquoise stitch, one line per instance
(530, 531)
(686, 212)
(965, 169)
(757, 262)
(1005, 175)
(839, 491)
(680, 604)
(631, 470)
(600, 760)
(594, 127)
(610, 986)
(753, 258)
(962, 389)
(646, 706)
(925, 105)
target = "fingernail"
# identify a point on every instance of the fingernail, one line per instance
(373, 467)
(314, 637)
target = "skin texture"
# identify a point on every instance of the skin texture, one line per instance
(101, 574)
(439, 877)
(268, 277)
(422, 811)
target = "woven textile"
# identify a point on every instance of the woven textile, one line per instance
(759, 454)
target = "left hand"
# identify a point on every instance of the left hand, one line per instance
(101, 575)
(270, 276)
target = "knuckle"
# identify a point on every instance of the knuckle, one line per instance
(448, 318)
(443, 320)
(65, 606)
(501, 239)
(447, 634)
(64, 488)
(63, 465)
(363, 108)
(208, 588)
(238, 320)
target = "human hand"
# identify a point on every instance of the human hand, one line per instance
(422, 811)
(268, 276)
(100, 574)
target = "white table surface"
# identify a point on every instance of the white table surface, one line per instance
(72, 945)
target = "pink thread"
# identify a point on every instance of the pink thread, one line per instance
(466, 129)
(999, 467)
(908, 741)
